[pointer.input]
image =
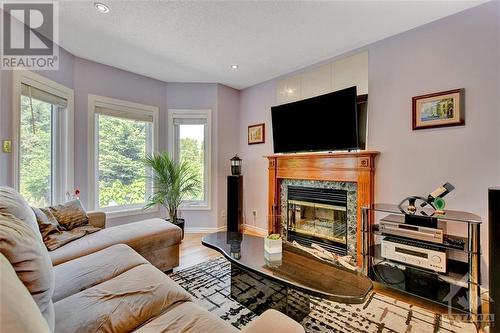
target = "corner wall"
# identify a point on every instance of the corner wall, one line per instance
(459, 51)
(87, 77)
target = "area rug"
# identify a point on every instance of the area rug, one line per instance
(210, 284)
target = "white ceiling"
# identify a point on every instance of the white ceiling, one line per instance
(191, 41)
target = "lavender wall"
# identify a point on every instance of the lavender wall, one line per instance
(255, 103)
(227, 143)
(94, 78)
(198, 96)
(460, 51)
(87, 77)
(63, 76)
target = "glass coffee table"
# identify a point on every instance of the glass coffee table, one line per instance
(288, 284)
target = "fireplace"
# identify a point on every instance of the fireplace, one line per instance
(353, 172)
(317, 215)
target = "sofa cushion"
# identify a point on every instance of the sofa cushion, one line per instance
(27, 254)
(70, 214)
(144, 237)
(273, 321)
(120, 304)
(82, 273)
(13, 203)
(187, 317)
(18, 310)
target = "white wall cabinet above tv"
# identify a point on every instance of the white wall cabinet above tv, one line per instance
(336, 75)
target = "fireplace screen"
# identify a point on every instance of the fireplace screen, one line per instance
(318, 216)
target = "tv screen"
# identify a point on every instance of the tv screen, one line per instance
(322, 123)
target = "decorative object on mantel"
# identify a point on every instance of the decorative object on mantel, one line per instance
(256, 134)
(235, 165)
(434, 199)
(325, 255)
(442, 109)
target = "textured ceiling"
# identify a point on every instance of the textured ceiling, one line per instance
(190, 41)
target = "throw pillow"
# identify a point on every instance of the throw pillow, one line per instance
(25, 251)
(47, 223)
(70, 214)
(54, 235)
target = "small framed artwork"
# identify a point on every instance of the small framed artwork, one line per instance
(440, 109)
(256, 134)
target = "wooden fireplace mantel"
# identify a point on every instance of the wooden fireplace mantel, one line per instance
(358, 167)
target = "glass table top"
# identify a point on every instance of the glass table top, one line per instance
(450, 215)
(297, 268)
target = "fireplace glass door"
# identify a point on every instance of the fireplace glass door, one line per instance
(318, 219)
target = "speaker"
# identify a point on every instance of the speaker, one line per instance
(494, 255)
(234, 202)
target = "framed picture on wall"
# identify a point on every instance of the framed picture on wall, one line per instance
(440, 109)
(256, 134)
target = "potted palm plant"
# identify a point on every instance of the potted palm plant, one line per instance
(172, 183)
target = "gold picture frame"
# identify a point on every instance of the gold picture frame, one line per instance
(442, 109)
(256, 134)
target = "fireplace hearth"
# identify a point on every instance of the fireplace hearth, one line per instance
(317, 215)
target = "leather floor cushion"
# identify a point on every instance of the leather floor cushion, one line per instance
(187, 317)
(121, 304)
(143, 237)
(82, 273)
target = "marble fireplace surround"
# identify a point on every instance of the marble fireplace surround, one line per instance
(350, 188)
(351, 171)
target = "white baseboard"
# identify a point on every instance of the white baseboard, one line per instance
(206, 230)
(260, 231)
(201, 230)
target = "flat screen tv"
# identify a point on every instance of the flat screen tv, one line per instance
(323, 123)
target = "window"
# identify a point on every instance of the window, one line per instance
(43, 126)
(123, 134)
(190, 134)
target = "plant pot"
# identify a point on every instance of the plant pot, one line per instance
(180, 223)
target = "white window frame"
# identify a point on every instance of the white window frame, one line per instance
(118, 105)
(63, 181)
(194, 114)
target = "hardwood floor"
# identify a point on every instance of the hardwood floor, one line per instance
(192, 252)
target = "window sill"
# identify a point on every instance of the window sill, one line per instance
(194, 207)
(131, 211)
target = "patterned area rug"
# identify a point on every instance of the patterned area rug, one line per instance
(210, 284)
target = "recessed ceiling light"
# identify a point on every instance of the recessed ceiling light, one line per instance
(234, 67)
(101, 8)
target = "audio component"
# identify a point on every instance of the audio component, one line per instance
(395, 225)
(494, 257)
(419, 255)
(234, 203)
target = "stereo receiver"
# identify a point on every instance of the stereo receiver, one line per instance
(416, 254)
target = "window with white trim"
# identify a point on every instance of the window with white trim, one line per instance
(190, 132)
(43, 139)
(123, 134)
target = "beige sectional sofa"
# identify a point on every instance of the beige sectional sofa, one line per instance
(107, 286)
(155, 239)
